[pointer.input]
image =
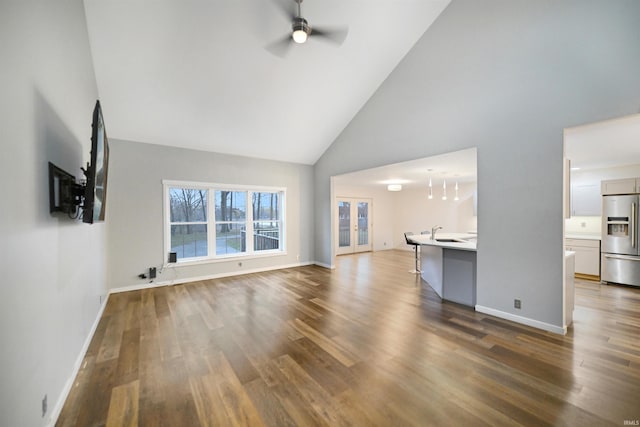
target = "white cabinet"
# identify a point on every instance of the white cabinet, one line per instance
(620, 186)
(586, 200)
(587, 255)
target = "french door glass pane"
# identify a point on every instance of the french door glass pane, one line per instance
(363, 223)
(189, 240)
(344, 224)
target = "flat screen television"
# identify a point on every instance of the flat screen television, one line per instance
(95, 192)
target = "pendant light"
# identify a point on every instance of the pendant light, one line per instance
(456, 197)
(430, 190)
(444, 190)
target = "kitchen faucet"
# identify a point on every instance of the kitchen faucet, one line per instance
(433, 231)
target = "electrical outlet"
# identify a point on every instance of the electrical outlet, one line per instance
(152, 272)
(517, 303)
(44, 405)
(298, 257)
(240, 264)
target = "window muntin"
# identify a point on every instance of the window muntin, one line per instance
(214, 221)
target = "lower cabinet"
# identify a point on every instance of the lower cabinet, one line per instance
(587, 255)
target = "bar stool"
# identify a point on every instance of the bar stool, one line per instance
(415, 250)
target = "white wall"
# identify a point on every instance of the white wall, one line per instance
(415, 212)
(507, 78)
(135, 208)
(53, 268)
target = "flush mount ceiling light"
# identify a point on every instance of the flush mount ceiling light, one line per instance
(394, 187)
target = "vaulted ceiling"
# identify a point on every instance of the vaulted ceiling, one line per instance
(197, 73)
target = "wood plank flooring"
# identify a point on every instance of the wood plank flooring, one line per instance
(367, 344)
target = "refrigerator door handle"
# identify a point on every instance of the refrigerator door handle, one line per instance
(622, 257)
(634, 238)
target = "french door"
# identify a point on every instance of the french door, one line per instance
(354, 225)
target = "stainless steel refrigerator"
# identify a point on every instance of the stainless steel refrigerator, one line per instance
(620, 259)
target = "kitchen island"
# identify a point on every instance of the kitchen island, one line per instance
(448, 265)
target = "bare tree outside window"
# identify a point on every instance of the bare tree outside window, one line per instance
(266, 221)
(188, 210)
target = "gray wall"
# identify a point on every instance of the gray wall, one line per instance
(53, 268)
(506, 77)
(135, 207)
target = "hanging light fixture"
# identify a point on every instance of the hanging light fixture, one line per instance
(444, 190)
(430, 190)
(456, 197)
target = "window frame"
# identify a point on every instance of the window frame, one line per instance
(211, 221)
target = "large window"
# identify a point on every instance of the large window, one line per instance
(218, 221)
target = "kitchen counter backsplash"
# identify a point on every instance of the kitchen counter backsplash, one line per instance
(583, 225)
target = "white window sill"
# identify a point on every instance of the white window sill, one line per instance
(224, 258)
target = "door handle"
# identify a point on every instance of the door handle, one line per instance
(623, 257)
(634, 238)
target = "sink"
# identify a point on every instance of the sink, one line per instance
(451, 240)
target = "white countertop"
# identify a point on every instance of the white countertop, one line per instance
(468, 241)
(584, 236)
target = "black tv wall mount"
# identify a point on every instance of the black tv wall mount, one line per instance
(65, 194)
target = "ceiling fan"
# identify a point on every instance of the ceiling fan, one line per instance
(301, 30)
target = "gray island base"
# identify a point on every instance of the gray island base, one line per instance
(450, 269)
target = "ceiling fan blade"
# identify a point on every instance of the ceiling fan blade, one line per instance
(287, 7)
(281, 46)
(335, 35)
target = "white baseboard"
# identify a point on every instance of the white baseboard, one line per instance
(179, 281)
(147, 285)
(55, 413)
(322, 264)
(523, 320)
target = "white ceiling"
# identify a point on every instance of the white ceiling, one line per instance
(196, 74)
(460, 166)
(604, 144)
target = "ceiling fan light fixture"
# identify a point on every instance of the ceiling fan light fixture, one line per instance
(299, 36)
(301, 30)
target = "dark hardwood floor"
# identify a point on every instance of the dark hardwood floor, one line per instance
(366, 345)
